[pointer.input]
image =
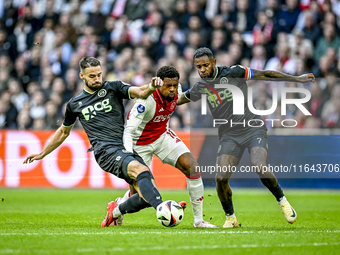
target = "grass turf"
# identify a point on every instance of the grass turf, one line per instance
(68, 222)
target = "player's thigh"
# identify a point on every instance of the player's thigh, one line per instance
(145, 152)
(228, 155)
(121, 163)
(170, 148)
(187, 164)
(258, 150)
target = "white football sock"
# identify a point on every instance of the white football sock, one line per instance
(126, 196)
(116, 212)
(282, 200)
(196, 192)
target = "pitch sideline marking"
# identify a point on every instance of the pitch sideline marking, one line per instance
(186, 247)
(171, 232)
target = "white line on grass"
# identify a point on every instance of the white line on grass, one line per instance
(173, 232)
(186, 247)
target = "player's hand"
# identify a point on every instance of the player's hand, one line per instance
(307, 77)
(32, 157)
(156, 82)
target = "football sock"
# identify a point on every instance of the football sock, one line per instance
(228, 207)
(276, 191)
(282, 200)
(134, 204)
(148, 190)
(126, 196)
(196, 192)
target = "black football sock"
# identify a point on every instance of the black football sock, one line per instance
(148, 190)
(228, 207)
(134, 204)
(276, 191)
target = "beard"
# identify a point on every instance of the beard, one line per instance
(94, 86)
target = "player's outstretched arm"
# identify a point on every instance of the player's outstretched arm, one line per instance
(58, 138)
(269, 75)
(182, 100)
(146, 90)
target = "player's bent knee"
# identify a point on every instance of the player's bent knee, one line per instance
(135, 168)
(221, 178)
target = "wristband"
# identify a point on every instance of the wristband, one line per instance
(152, 87)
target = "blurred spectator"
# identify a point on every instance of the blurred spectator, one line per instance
(18, 96)
(258, 60)
(52, 119)
(282, 61)
(243, 17)
(8, 112)
(288, 15)
(331, 111)
(37, 105)
(329, 39)
(8, 45)
(311, 29)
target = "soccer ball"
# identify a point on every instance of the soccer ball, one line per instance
(170, 213)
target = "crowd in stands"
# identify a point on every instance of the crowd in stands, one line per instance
(42, 41)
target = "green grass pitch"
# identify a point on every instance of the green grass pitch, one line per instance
(48, 221)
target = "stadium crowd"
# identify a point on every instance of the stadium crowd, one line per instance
(42, 41)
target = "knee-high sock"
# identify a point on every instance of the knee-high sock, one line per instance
(148, 190)
(196, 192)
(134, 204)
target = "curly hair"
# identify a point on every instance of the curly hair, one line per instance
(203, 52)
(167, 72)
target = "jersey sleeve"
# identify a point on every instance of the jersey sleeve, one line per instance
(179, 92)
(122, 88)
(242, 72)
(70, 116)
(193, 94)
(134, 120)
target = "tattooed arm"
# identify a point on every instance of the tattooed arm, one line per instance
(269, 75)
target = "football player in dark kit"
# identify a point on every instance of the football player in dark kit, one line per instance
(234, 139)
(100, 110)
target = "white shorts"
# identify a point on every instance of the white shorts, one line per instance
(168, 148)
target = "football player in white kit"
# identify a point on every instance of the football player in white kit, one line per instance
(147, 132)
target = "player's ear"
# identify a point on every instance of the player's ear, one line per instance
(214, 61)
(81, 75)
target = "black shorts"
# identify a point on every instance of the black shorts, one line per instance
(235, 146)
(116, 161)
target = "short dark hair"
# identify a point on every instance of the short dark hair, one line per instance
(200, 52)
(167, 72)
(86, 62)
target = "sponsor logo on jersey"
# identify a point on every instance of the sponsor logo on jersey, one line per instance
(140, 108)
(160, 118)
(80, 103)
(223, 94)
(224, 80)
(118, 158)
(90, 111)
(102, 93)
(161, 110)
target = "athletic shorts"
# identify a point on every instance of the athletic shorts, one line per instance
(116, 161)
(235, 146)
(168, 148)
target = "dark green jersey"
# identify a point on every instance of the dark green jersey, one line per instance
(100, 113)
(220, 100)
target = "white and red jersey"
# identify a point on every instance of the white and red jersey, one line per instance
(148, 119)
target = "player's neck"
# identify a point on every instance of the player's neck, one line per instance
(88, 90)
